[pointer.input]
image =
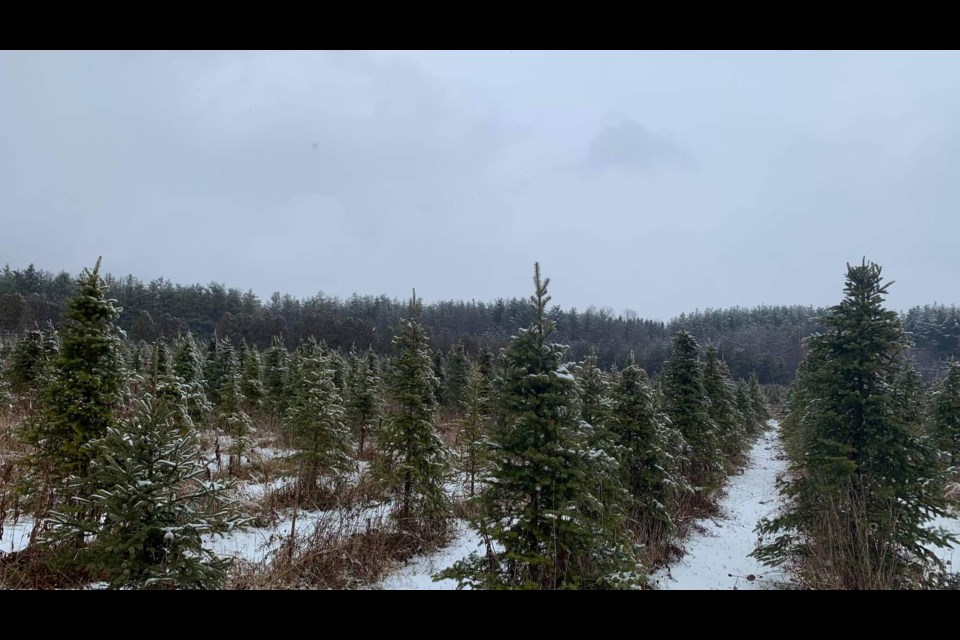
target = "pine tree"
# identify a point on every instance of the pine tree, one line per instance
(275, 362)
(232, 419)
(863, 482)
(413, 460)
(145, 506)
(188, 367)
(252, 383)
(688, 408)
(80, 400)
(364, 404)
(650, 451)
(944, 418)
(721, 392)
(473, 452)
(544, 527)
(457, 370)
(315, 420)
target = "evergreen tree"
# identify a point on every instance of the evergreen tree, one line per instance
(650, 452)
(364, 404)
(486, 363)
(945, 416)
(213, 363)
(596, 406)
(145, 506)
(252, 384)
(744, 404)
(544, 527)
(440, 377)
(28, 361)
(863, 482)
(233, 420)
(6, 395)
(759, 401)
(315, 420)
(457, 370)
(722, 394)
(413, 460)
(276, 360)
(473, 452)
(688, 409)
(188, 367)
(80, 400)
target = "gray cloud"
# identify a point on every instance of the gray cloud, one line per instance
(723, 178)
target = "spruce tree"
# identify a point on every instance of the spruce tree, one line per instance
(413, 461)
(28, 361)
(79, 403)
(473, 450)
(188, 367)
(168, 387)
(145, 506)
(650, 451)
(544, 526)
(315, 420)
(863, 482)
(721, 392)
(275, 363)
(252, 383)
(744, 404)
(440, 375)
(687, 406)
(457, 370)
(364, 403)
(760, 407)
(944, 418)
(232, 419)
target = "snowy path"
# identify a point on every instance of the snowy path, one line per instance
(417, 574)
(718, 558)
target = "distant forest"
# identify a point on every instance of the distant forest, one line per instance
(766, 340)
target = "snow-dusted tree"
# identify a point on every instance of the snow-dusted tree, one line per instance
(944, 420)
(457, 370)
(188, 366)
(275, 374)
(252, 383)
(413, 461)
(29, 360)
(231, 418)
(760, 407)
(744, 403)
(145, 506)
(722, 394)
(544, 526)
(477, 404)
(650, 452)
(315, 421)
(688, 408)
(440, 375)
(6, 395)
(596, 405)
(864, 482)
(364, 402)
(80, 401)
(168, 387)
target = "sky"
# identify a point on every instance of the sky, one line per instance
(659, 182)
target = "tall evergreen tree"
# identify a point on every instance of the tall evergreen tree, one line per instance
(650, 452)
(544, 527)
(251, 384)
(232, 419)
(688, 408)
(79, 403)
(473, 452)
(457, 370)
(760, 407)
(315, 420)
(865, 483)
(722, 394)
(188, 367)
(364, 404)
(413, 460)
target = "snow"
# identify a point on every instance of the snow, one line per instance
(16, 535)
(417, 574)
(718, 558)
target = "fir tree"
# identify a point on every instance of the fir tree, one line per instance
(650, 451)
(688, 408)
(146, 506)
(457, 370)
(232, 419)
(364, 403)
(945, 416)
(544, 527)
(169, 388)
(315, 420)
(440, 376)
(473, 452)
(188, 367)
(722, 394)
(863, 482)
(759, 401)
(252, 383)
(80, 401)
(275, 362)
(29, 361)
(413, 460)
(744, 404)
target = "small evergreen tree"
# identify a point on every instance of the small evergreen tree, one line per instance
(364, 403)
(146, 506)
(413, 460)
(315, 420)
(944, 418)
(760, 407)
(28, 361)
(473, 452)
(457, 370)
(275, 361)
(252, 383)
(722, 394)
(233, 420)
(188, 367)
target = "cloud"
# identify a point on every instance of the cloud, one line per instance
(624, 142)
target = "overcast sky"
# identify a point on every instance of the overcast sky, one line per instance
(659, 182)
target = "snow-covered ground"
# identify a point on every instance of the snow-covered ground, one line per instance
(718, 557)
(16, 536)
(417, 574)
